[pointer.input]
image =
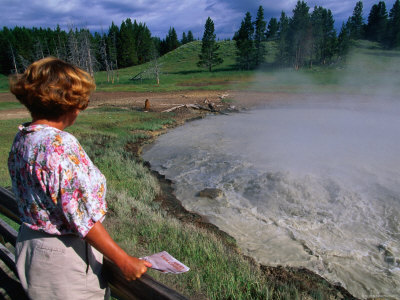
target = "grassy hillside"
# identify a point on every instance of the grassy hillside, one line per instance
(367, 69)
(180, 72)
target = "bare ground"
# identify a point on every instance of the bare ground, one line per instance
(221, 100)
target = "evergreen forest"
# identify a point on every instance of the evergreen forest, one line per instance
(305, 38)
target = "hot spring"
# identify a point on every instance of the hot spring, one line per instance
(315, 185)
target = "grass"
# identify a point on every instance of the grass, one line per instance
(366, 68)
(141, 227)
(8, 130)
(10, 105)
(180, 72)
(3, 83)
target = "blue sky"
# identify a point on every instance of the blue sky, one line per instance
(159, 15)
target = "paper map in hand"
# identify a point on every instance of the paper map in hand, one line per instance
(166, 263)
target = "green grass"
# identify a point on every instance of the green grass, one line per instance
(180, 72)
(10, 105)
(8, 130)
(3, 83)
(10, 222)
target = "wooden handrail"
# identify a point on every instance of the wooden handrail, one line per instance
(143, 288)
(10, 235)
(8, 205)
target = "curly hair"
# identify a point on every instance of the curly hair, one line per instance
(51, 87)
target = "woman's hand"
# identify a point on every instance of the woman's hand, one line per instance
(131, 267)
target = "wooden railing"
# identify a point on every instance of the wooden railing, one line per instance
(144, 288)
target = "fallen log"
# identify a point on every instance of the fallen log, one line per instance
(174, 108)
(193, 106)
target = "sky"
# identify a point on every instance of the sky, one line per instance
(160, 15)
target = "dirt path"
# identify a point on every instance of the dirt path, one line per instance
(158, 101)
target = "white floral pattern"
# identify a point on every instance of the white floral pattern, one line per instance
(58, 188)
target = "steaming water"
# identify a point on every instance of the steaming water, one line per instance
(314, 185)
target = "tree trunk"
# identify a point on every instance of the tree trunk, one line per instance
(14, 61)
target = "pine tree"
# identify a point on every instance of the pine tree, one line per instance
(259, 34)
(23, 46)
(184, 39)
(4, 59)
(272, 31)
(112, 49)
(8, 59)
(209, 56)
(60, 37)
(143, 42)
(343, 41)
(330, 44)
(356, 22)
(190, 37)
(126, 45)
(377, 22)
(283, 39)
(300, 35)
(324, 34)
(245, 43)
(393, 31)
(172, 39)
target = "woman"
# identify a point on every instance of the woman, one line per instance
(60, 193)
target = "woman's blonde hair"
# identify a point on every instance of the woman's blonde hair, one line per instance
(51, 87)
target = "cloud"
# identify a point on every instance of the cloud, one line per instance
(159, 15)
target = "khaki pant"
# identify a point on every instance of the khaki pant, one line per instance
(59, 267)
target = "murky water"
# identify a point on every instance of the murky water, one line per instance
(314, 185)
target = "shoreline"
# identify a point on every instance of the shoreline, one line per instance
(301, 277)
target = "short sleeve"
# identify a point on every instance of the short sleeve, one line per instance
(82, 188)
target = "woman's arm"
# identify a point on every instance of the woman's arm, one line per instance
(131, 267)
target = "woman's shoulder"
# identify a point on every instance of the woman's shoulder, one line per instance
(50, 139)
(56, 137)
(67, 138)
(66, 141)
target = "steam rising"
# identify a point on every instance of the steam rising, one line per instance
(309, 179)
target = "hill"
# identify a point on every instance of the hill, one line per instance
(179, 72)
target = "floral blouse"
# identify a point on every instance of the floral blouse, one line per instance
(58, 188)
